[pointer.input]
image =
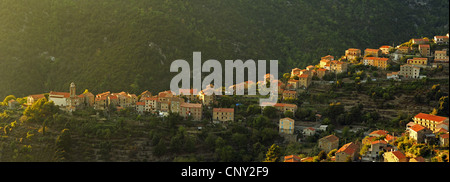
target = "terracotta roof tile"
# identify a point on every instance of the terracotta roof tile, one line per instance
(64, 94)
(348, 148)
(223, 110)
(430, 117)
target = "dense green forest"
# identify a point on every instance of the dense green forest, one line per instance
(129, 45)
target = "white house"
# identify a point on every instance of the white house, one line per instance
(309, 131)
(393, 75)
(65, 100)
(59, 98)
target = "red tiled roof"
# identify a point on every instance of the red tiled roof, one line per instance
(292, 158)
(441, 37)
(64, 94)
(289, 92)
(418, 159)
(418, 40)
(307, 159)
(140, 103)
(430, 117)
(329, 56)
(371, 139)
(379, 141)
(284, 105)
(424, 45)
(353, 49)
(399, 154)
(444, 135)
(223, 110)
(146, 93)
(370, 58)
(390, 137)
(191, 105)
(331, 138)
(98, 98)
(290, 119)
(151, 98)
(441, 130)
(303, 76)
(417, 127)
(37, 96)
(417, 58)
(379, 132)
(310, 128)
(372, 50)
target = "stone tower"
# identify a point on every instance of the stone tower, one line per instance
(72, 99)
(72, 90)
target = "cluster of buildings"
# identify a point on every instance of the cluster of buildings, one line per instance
(425, 128)
(380, 58)
(424, 57)
(67, 101)
(161, 104)
(302, 78)
(186, 105)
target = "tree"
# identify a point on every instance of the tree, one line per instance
(210, 141)
(160, 149)
(8, 98)
(434, 112)
(253, 109)
(286, 77)
(63, 145)
(240, 140)
(322, 155)
(346, 132)
(443, 108)
(348, 159)
(289, 114)
(334, 110)
(40, 110)
(332, 153)
(272, 154)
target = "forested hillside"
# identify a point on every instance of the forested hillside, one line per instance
(129, 45)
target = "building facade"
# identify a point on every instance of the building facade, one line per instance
(286, 126)
(223, 114)
(409, 71)
(329, 143)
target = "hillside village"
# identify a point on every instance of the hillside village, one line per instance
(423, 138)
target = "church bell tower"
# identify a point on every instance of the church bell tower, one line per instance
(72, 90)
